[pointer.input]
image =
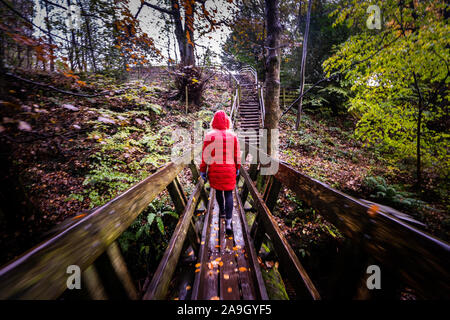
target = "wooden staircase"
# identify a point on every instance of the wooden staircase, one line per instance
(249, 116)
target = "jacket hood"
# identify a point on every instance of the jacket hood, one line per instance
(220, 121)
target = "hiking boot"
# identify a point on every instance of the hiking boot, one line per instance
(228, 227)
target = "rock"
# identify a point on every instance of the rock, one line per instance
(26, 108)
(139, 121)
(40, 110)
(121, 118)
(24, 126)
(76, 126)
(106, 120)
(70, 107)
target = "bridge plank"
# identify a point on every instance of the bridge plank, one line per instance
(206, 285)
(231, 282)
(200, 268)
(210, 275)
(229, 276)
(244, 264)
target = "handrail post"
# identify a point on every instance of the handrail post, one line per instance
(187, 100)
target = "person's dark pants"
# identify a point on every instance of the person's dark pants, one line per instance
(225, 205)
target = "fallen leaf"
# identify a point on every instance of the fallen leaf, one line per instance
(79, 216)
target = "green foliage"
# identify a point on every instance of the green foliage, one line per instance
(391, 194)
(308, 141)
(153, 107)
(122, 160)
(390, 70)
(145, 240)
(74, 196)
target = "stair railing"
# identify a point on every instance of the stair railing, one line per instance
(251, 70)
(262, 108)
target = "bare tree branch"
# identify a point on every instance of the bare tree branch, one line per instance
(163, 10)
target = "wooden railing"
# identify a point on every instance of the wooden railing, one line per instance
(41, 273)
(251, 71)
(265, 223)
(419, 260)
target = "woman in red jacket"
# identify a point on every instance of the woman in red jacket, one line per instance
(221, 161)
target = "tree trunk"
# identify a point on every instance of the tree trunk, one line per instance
(89, 36)
(74, 45)
(273, 60)
(189, 30)
(419, 124)
(303, 65)
(179, 32)
(50, 39)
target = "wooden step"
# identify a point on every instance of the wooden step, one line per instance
(248, 111)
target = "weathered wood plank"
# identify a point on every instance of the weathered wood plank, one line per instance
(251, 285)
(40, 273)
(209, 280)
(196, 175)
(228, 275)
(177, 195)
(160, 283)
(253, 174)
(272, 193)
(179, 200)
(288, 259)
(93, 284)
(197, 288)
(120, 268)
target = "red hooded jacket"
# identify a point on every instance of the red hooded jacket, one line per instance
(221, 154)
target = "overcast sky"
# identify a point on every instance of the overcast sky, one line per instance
(151, 22)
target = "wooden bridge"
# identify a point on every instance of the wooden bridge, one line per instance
(227, 267)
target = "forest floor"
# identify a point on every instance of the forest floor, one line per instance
(64, 155)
